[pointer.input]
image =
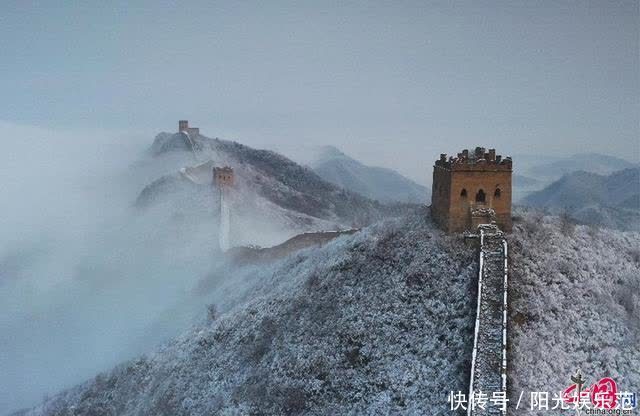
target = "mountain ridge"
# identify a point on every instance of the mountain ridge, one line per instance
(382, 184)
(590, 162)
(382, 321)
(269, 185)
(591, 198)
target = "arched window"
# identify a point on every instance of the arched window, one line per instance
(496, 194)
(463, 193)
(481, 196)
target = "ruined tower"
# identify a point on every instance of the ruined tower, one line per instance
(472, 189)
(183, 126)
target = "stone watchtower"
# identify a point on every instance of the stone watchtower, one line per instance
(223, 177)
(183, 126)
(472, 189)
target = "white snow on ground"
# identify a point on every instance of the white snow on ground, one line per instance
(381, 322)
(575, 303)
(378, 320)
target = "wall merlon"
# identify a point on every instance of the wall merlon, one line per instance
(480, 159)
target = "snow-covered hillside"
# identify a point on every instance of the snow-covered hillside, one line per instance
(381, 322)
(273, 199)
(377, 321)
(575, 303)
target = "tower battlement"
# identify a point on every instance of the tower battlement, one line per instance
(479, 159)
(471, 189)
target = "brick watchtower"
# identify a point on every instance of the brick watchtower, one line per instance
(183, 126)
(472, 189)
(223, 177)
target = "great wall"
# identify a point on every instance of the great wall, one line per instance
(472, 191)
(256, 255)
(489, 358)
(471, 194)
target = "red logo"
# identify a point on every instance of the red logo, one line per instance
(601, 394)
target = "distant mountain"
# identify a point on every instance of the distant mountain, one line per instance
(588, 162)
(382, 184)
(524, 181)
(611, 200)
(273, 196)
(523, 186)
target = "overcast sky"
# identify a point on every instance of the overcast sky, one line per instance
(392, 83)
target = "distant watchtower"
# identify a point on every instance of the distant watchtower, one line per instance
(223, 177)
(183, 126)
(472, 189)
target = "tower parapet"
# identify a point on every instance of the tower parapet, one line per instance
(480, 159)
(470, 184)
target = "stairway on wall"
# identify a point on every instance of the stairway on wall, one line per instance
(489, 353)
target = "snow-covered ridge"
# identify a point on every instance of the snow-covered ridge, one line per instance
(273, 196)
(381, 322)
(373, 321)
(254, 255)
(574, 303)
